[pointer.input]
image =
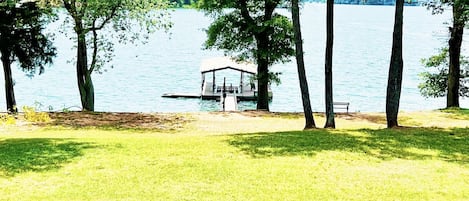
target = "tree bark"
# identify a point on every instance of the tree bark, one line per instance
(309, 118)
(395, 69)
(85, 84)
(262, 84)
(455, 41)
(330, 121)
(9, 90)
(262, 71)
(262, 35)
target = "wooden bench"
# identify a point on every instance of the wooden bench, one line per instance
(341, 105)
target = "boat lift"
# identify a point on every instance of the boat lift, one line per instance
(210, 90)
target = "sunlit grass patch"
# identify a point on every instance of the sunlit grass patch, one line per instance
(457, 113)
(236, 157)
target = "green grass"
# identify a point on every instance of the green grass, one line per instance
(457, 113)
(343, 164)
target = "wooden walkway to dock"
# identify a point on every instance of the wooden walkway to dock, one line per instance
(231, 103)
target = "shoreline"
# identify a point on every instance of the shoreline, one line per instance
(230, 122)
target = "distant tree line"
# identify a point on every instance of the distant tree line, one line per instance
(369, 2)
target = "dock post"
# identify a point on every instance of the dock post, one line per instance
(224, 93)
(241, 83)
(213, 79)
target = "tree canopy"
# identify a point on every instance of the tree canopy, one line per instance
(22, 36)
(22, 40)
(460, 12)
(126, 20)
(251, 30)
(435, 81)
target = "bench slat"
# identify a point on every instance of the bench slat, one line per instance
(341, 105)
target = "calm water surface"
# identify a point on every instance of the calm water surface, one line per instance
(170, 63)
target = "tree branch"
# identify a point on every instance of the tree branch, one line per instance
(245, 12)
(95, 48)
(105, 21)
(84, 6)
(70, 7)
(270, 6)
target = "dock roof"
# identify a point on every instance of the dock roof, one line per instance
(221, 63)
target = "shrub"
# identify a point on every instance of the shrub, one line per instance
(32, 115)
(7, 119)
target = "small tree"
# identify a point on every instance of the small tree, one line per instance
(435, 82)
(460, 12)
(22, 40)
(251, 31)
(126, 20)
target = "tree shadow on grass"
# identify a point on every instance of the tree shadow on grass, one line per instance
(37, 155)
(405, 143)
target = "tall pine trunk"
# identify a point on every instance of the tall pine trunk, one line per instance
(455, 41)
(395, 69)
(9, 90)
(330, 121)
(263, 73)
(301, 67)
(85, 84)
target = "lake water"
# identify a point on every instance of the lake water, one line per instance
(141, 74)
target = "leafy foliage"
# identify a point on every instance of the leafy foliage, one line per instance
(435, 82)
(7, 119)
(236, 35)
(32, 115)
(232, 34)
(182, 3)
(129, 21)
(126, 20)
(252, 31)
(21, 35)
(460, 17)
(439, 6)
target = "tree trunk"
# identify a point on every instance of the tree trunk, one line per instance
(330, 121)
(455, 41)
(263, 85)
(9, 90)
(263, 73)
(395, 69)
(85, 84)
(301, 67)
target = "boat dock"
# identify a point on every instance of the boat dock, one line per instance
(181, 95)
(244, 90)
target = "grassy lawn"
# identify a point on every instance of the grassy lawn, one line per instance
(241, 157)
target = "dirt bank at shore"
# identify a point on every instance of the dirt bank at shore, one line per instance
(227, 122)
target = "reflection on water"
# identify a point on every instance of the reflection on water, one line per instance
(166, 64)
(212, 105)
